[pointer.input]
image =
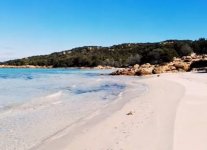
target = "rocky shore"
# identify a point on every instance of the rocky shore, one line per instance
(103, 67)
(177, 65)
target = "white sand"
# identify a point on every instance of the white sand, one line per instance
(171, 116)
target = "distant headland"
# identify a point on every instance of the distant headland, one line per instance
(121, 56)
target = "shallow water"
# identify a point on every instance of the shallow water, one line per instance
(22, 85)
(37, 103)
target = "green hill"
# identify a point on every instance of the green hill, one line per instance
(118, 55)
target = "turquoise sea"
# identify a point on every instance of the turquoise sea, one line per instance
(18, 86)
(37, 103)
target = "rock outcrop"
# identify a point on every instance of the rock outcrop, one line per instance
(177, 65)
(103, 67)
(145, 69)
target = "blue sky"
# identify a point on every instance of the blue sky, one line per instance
(32, 27)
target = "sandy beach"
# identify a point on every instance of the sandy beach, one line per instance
(103, 75)
(171, 115)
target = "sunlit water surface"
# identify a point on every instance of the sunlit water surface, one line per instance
(36, 103)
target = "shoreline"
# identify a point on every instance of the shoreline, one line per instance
(152, 112)
(146, 125)
(61, 138)
(25, 67)
(43, 117)
(159, 119)
(51, 67)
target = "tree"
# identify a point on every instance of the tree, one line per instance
(132, 60)
(157, 56)
(185, 50)
(200, 46)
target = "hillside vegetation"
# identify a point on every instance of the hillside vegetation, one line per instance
(118, 55)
